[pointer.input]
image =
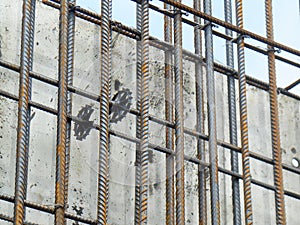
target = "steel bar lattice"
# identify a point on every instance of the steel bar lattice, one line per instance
(176, 156)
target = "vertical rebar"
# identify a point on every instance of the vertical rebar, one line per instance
(70, 61)
(32, 25)
(232, 118)
(62, 115)
(138, 117)
(244, 117)
(212, 130)
(144, 113)
(24, 110)
(179, 119)
(200, 117)
(278, 179)
(169, 117)
(103, 175)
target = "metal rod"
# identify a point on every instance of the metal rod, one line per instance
(10, 219)
(232, 27)
(105, 89)
(200, 117)
(278, 178)
(153, 118)
(151, 146)
(138, 117)
(212, 129)
(292, 85)
(179, 119)
(169, 114)
(70, 62)
(62, 115)
(24, 111)
(232, 118)
(144, 112)
(244, 117)
(48, 209)
(132, 33)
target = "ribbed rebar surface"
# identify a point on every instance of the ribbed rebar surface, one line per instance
(278, 178)
(169, 117)
(62, 115)
(105, 89)
(179, 120)
(174, 111)
(200, 117)
(232, 118)
(70, 69)
(212, 129)
(244, 117)
(144, 113)
(222, 23)
(24, 111)
(138, 118)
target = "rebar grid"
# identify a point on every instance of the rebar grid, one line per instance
(68, 11)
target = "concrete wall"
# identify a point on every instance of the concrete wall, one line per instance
(84, 154)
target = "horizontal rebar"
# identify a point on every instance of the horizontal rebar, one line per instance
(232, 27)
(221, 35)
(10, 219)
(48, 209)
(153, 118)
(133, 33)
(166, 150)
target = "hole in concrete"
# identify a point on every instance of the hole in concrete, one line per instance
(293, 150)
(295, 162)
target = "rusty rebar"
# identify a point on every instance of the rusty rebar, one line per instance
(70, 71)
(62, 115)
(144, 112)
(200, 117)
(292, 85)
(278, 178)
(179, 119)
(105, 89)
(244, 117)
(132, 33)
(212, 129)
(152, 146)
(232, 118)
(24, 111)
(232, 27)
(155, 119)
(138, 117)
(169, 115)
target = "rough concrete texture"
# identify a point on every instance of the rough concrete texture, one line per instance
(84, 154)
